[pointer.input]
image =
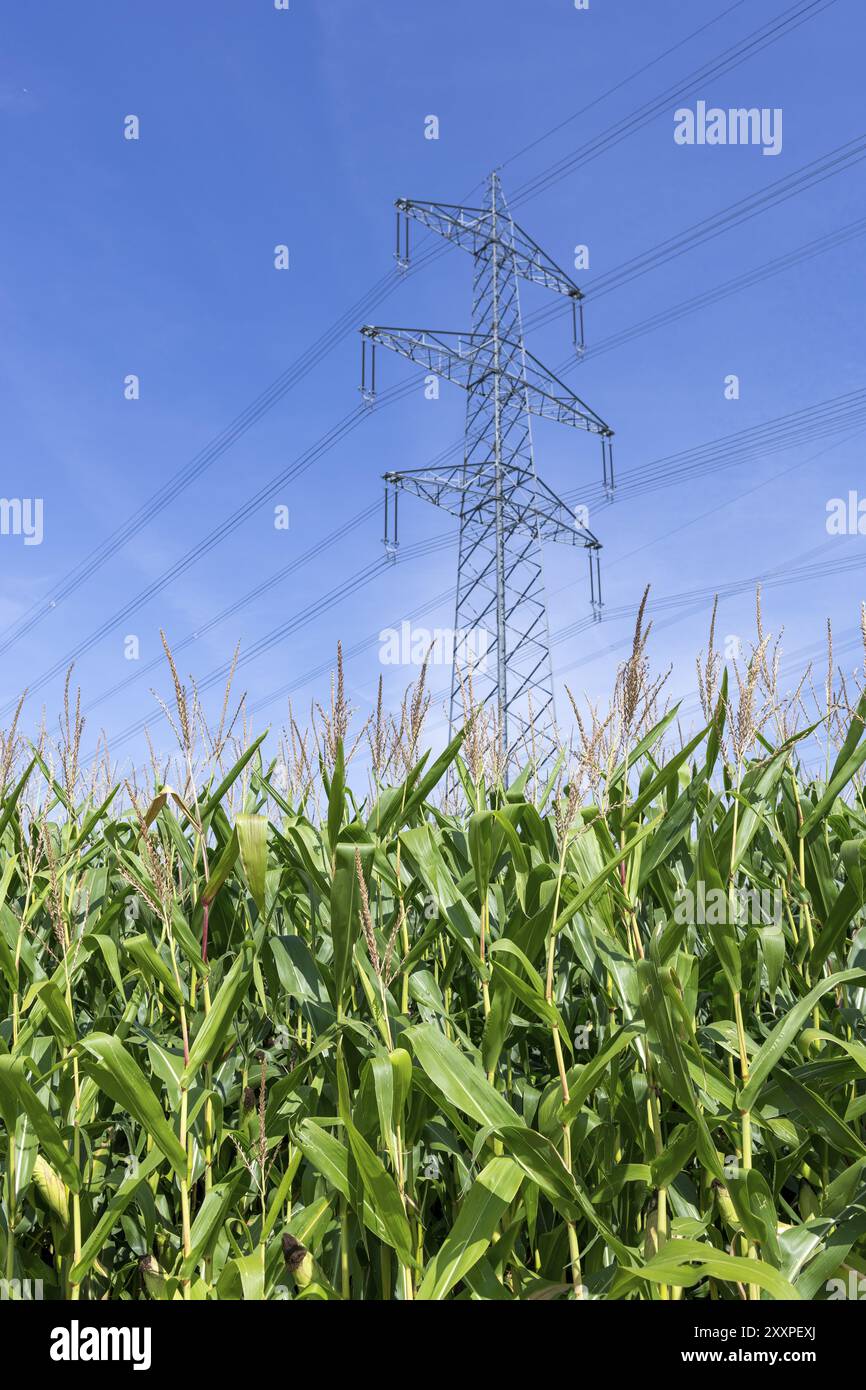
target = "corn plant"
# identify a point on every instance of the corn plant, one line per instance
(594, 1037)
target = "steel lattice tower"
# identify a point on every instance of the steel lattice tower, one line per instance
(505, 510)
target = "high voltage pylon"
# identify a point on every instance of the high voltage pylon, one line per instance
(504, 508)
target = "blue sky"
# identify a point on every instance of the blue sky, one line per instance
(261, 127)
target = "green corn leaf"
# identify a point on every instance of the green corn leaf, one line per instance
(480, 1214)
(148, 959)
(382, 1194)
(18, 1097)
(460, 1081)
(115, 1208)
(253, 842)
(118, 1074)
(229, 997)
(685, 1263)
(780, 1039)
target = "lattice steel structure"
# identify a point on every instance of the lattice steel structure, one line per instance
(505, 510)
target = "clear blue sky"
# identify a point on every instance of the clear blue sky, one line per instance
(260, 127)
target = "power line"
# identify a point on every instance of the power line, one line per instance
(692, 602)
(630, 610)
(215, 536)
(825, 417)
(639, 72)
(765, 438)
(311, 455)
(305, 363)
(759, 275)
(784, 23)
(182, 479)
(837, 161)
(297, 563)
(833, 416)
(320, 605)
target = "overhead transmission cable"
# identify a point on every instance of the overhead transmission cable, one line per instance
(781, 433)
(322, 346)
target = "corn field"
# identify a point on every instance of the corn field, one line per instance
(597, 1035)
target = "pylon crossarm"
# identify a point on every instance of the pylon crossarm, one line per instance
(560, 523)
(556, 400)
(534, 264)
(469, 494)
(465, 227)
(470, 229)
(445, 490)
(454, 493)
(449, 355)
(465, 358)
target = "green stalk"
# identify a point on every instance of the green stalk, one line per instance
(655, 1124)
(74, 1289)
(11, 1204)
(485, 928)
(76, 1154)
(753, 1292)
(573, 1243)
(399, 1170)
(805, 914)
(345, 1283)
(184, 1189)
